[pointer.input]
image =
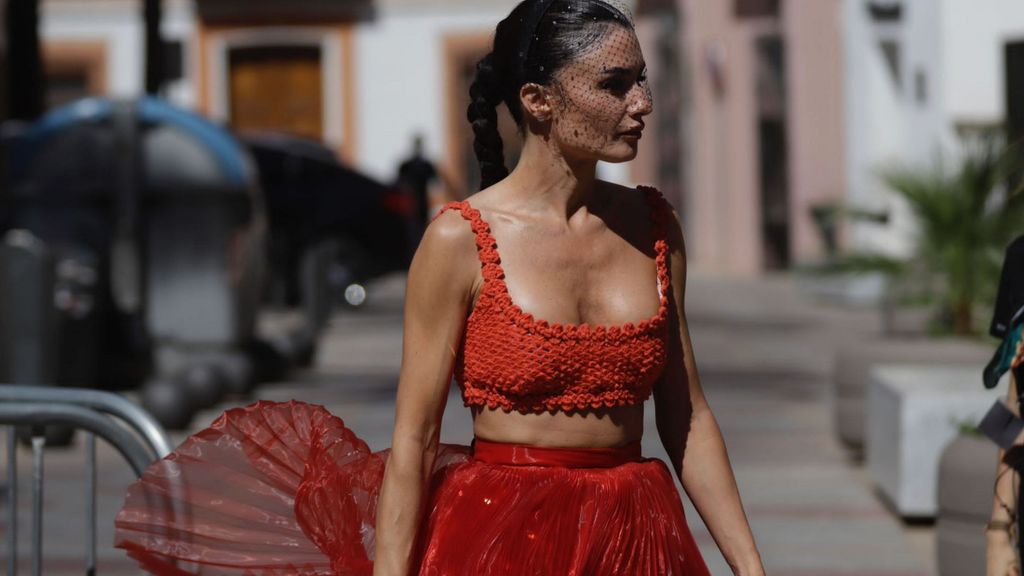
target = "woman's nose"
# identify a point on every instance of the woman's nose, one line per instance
(643, 102)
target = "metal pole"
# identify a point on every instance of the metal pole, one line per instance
(90, 504)
(24, 60)
(151, 15)
(12, 500)
(32, 414)
(38, 446)
(106, 402)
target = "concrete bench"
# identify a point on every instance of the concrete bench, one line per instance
(913, 412)
(854, 363)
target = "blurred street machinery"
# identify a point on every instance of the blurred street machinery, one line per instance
(134, 252)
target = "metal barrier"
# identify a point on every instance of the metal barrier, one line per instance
(103, 414)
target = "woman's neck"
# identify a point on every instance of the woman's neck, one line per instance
(548, 181)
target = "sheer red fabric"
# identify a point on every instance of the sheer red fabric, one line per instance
(286, 488)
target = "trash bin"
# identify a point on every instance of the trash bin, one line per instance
(45, 306)
(168, 206)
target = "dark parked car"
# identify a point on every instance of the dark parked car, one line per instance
(316, 205)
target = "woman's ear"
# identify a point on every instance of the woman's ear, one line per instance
(536, 101)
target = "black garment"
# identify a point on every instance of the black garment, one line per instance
(1011, 289)
(1008, 314)
(417, 173)
(1005, 319)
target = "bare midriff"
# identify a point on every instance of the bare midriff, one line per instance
(599, 428)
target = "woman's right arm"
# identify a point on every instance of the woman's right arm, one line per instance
(1001, 559)
(438, 294)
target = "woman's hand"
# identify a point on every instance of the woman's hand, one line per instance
(1000, 556)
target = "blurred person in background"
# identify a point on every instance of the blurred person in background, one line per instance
(554, 481)
(426, 182)
(416, 174)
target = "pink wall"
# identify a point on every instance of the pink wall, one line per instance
(644, 168)
(815, 91)
(722, 214)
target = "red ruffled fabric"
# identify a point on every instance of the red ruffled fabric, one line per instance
(285, 488)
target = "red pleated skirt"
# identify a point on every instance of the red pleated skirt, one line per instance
(286, 488)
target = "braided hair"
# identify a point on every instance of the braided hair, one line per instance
(565, 31)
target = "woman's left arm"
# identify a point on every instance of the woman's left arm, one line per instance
(691, 435)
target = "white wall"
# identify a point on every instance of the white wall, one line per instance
(400, 81)
(974, 34)
(958, 45)
(179, 23)
(926, 121)
(400, 77)
(118, 24)
(876, 132)
(114, 23)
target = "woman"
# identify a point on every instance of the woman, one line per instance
(1001, 556)
(554, 482)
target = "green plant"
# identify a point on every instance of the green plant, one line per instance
(966, 428)
(826, 217)
(965, 220)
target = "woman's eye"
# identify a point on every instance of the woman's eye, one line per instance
(616, 85)
(622, 84)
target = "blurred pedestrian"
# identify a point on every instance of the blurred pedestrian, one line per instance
(428, 184)
(554, 481)
(416, 174)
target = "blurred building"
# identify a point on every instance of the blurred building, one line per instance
(747, 131)
(917, 74)
(764, 109)
(762, 127)
(361, 75)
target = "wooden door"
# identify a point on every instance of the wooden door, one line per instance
(277, 88)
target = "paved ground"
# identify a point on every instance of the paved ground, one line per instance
(764, 355)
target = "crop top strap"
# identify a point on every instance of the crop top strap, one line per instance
(661, 215)
(487, 248)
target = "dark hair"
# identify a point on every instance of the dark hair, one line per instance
(566, 30)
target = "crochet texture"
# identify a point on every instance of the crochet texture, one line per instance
(508, 359)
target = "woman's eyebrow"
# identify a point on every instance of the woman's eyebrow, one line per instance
(614, 70)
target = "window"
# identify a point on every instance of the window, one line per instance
(891, 54)
(885, 11)
(757, 8)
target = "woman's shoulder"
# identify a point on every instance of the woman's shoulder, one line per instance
(445, 261)
(450, 230)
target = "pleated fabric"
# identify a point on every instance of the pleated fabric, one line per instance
(286, 488)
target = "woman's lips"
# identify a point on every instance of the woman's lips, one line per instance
(636, 133)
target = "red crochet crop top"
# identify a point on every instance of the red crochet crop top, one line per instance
(511, 360)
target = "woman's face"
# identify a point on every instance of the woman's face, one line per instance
(601, 98)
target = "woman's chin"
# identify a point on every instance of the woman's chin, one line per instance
(622, 153)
